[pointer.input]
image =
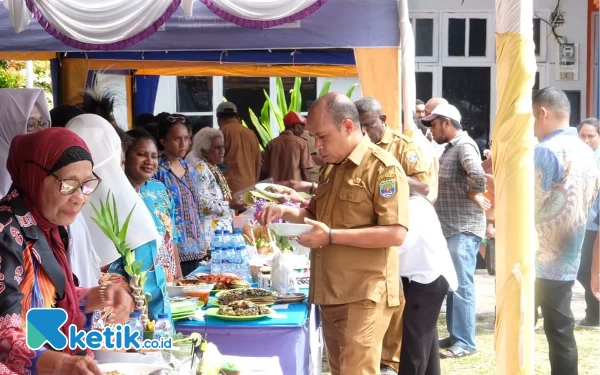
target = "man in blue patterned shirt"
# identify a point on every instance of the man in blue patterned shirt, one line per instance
(566, 183)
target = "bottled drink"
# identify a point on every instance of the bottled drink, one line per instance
(227, 260)
(238, 238)
(135, 325)
(216, 259)
(243, 263)
(163, 327)
(226, 238)
(217, 240)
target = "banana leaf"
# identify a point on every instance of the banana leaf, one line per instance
(264, 130)
(296, 96)
(277, 113)
(325, 89)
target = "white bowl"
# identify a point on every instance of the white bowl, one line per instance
(290, 230)
(105, 357)
(175, 291)
(131, 368)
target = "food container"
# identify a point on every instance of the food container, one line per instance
(200, 291)
(175, 291)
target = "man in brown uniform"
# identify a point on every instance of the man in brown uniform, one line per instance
(408, 153)
(287, 156)
(360, 210)
(410, 157)
(242, 152)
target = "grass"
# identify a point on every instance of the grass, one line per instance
(484, 361)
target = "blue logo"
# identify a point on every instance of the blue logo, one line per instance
(44, 327)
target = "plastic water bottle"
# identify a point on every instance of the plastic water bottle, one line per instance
(239, 238)
(216, 259)
(135, 324)
(227, 260)
(163, 327)
(217, 240)
(226, 238)
(243, 263)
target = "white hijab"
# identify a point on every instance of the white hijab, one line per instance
(105, 146)
(15, 108)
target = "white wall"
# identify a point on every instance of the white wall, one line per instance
(117, 85)
(574, 29)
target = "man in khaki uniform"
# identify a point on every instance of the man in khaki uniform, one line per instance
(287, 156)
(242, 151)
(407, 152)
(410, 157)
(358, 213)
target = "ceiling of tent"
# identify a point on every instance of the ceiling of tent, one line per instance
(338, 23)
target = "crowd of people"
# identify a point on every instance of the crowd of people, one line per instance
(397, 221)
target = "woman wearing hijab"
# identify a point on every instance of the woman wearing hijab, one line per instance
(181, 182)
(142, 235)
(141, 161)
(21, 111)
(52, 178)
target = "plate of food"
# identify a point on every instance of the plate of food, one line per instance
(271, 190)
(240, 310)
(257, 295)
(130, 368)
(289, 229)
(291, 298)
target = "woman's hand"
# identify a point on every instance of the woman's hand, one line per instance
(291, 195)
(121, 302)
(77, 365)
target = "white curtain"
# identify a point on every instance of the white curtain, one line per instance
(20, 16)
(106, 24)
(263, 13)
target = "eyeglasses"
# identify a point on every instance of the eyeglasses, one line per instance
(68, 186)
(34, 124)
(174, 119)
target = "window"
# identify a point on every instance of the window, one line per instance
(595, 80)
(308, 90)
(424, 85)
(468, 37)
(246, 92)
(425, 29)
(195, 98)
(468, 88)
(540, 32)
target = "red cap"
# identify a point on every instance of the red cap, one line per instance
(293, 118)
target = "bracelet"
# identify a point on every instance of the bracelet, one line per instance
(102, 293)
(330, 237)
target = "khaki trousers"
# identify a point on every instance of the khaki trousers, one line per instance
(392, 340)
(353, 334)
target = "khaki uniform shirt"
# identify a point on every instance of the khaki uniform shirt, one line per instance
(367, 189)
(286, 156)
(242, 156)
(315, 169)
(408, 154)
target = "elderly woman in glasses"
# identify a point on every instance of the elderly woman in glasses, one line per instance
(51, 172)
(181, 182)
(215, 195)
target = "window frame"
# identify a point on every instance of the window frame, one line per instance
(435, 35)
(490, 47)
(544, 15)
(217, 98)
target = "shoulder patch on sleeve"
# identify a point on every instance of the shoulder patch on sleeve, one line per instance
(387, 188)
(412, 156)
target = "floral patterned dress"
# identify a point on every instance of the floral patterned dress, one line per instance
(214, 198)
(184, 194)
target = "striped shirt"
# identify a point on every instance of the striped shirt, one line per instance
(460, 172)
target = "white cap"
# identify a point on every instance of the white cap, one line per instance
(446, 110)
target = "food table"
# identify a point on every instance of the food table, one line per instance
(292, 334)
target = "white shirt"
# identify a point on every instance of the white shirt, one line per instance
(85, 263)
(424, 255)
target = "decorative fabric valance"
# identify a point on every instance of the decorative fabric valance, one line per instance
(101, 25)
(263, 14)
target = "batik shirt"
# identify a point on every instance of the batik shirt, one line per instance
(30, 277)
(215, 209)
(155, 196)
(184, 194)
(595, 209)
(566, 183)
